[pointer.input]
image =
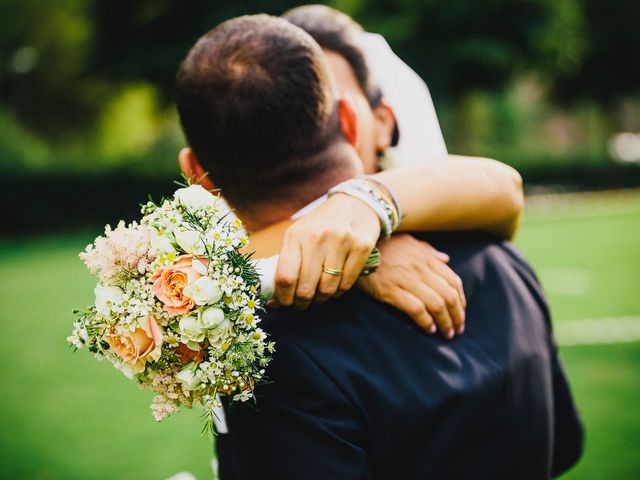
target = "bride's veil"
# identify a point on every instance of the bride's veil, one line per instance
(420, 134)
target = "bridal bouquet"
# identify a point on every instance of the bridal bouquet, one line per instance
(176, 304)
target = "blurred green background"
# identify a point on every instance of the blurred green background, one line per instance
(88, 128)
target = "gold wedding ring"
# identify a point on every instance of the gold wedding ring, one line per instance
(333, 271)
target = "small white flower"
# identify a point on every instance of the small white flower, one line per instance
(258, 335)
(243, 396)
(171, 339)
(203, 291)
(106, 298)
(74, 340)
(195, 197)
(190, 241)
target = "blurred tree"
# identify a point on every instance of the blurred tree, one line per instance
(609, 68)
(60, 61)
(147, 39)
(455, 44)
(43, 52)
(458, 45)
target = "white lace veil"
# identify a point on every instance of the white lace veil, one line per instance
(420, 134)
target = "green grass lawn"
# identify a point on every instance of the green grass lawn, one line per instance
(64, 415)
(589, 265)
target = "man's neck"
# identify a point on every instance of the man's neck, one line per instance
(278, 211)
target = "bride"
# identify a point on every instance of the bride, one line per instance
(325, 246)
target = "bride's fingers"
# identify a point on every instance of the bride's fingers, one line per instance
(329, 282)
(287, 272)
(310, 271)
(353, 266)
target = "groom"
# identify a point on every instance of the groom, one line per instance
(358, 391)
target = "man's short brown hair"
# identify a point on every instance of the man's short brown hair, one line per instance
(256, 105)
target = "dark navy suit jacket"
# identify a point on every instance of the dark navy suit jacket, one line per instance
(359, 392)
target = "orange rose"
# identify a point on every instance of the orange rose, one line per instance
(136, 347)
(169, 283)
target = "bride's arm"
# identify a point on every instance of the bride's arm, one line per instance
(458, 193)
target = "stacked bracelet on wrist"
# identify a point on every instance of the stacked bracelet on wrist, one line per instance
(395, 207)
(377, 196)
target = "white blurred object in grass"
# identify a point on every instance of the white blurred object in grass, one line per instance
(597, 331)
(567, 280)
(625, 147)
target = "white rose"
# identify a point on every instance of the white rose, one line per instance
(106, 297)
(204, 291)
(188, 378)
(221, 332)
(161, 244)
(190, 241)
(191, 331)
(195, 197)
(212, 317)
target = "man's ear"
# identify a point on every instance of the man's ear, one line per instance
(193, 170)
(348, 120)
(385, 125)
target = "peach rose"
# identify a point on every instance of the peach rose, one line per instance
(169, 284)
(136, 347)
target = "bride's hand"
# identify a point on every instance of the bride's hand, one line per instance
(414, 277)
(338, 235)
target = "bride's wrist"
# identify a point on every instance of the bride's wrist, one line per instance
(355, 213)
(377, 197)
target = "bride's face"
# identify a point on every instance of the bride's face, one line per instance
(374, 126)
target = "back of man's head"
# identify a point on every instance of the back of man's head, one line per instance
(257, 108)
